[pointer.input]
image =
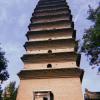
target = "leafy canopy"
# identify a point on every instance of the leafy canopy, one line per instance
(91, 45)
(3, 70)
(10, 92)
(3, 66)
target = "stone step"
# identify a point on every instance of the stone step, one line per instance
(64, 32)
(51, 73)
(50, 44)
(50, 2)
(43, 13)
(48, 58)
(50, 18)
(51, 25)
(51, 7)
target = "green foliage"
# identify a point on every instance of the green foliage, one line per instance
(10, 92)
(91, 45)
(3, 72)
(3, 65)
(1, 91)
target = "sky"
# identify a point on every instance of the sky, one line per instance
(14, 20)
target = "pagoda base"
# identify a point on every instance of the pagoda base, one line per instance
(63, 83)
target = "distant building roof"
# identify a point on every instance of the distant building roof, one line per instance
(92, 95)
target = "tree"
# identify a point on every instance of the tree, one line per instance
(91, 44)
(3, 72)
(1, 91)
(3, 65)
(10, 92)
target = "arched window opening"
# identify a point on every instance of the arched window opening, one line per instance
(49, 51)
(49, 66)
(49, 39)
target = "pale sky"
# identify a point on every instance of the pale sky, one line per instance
(14, 20)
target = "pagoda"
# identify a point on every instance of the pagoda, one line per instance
(51, 69)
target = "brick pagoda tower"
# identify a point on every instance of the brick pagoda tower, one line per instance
(50, 71)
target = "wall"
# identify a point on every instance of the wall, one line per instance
(70, 64)
(62, 88)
